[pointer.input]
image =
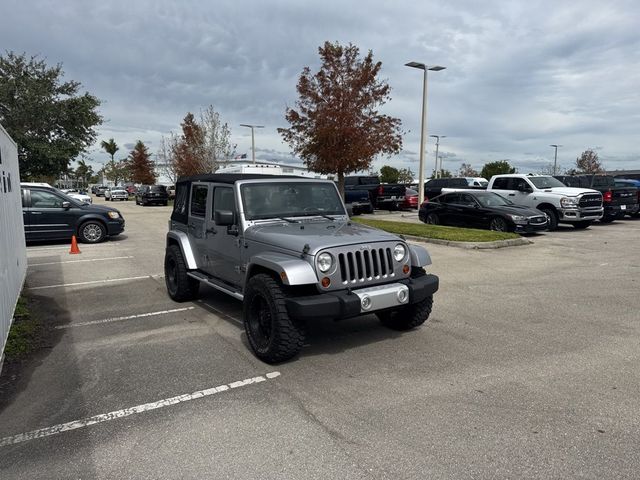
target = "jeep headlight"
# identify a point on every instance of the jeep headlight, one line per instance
(325, 262)
(113, 215)
(568, 202)
(399, 252)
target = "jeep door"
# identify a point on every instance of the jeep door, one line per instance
(196, 224)
(223, 241)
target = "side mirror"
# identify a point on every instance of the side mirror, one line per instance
(350, 210)
(224, 218)
(66, 205)
(524, 188)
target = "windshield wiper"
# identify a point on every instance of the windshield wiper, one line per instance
(308, 214)
(288, 220)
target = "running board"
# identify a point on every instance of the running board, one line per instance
(212, 282)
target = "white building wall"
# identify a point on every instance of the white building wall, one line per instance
(13, 251)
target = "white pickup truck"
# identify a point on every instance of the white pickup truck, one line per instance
(576, 206)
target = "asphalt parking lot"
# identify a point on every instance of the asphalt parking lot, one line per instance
(528, 368)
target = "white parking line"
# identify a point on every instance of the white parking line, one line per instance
(145, 407)
(96, 281)
(67, 247)
(119, 319)
(79, 261)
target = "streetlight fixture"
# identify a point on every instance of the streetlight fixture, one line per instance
(555, 158)
(438, 137)
(253, 140)
(423, 135)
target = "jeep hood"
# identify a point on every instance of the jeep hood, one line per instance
(568, 191)
(317, 234)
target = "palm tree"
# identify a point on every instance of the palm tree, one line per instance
(111, 148)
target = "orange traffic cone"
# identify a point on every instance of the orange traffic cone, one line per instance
(74, 246)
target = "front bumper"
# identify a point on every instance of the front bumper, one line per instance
(115, 227)
(576, 215)
(345, 304)
(531, 227)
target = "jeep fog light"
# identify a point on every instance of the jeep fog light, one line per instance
(365, 302)
(405, 269)
(325, 282)
(403, 296)
(399, 252)
(325, 262)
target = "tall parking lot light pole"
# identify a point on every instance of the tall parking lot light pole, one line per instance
(253, 139)
(555, 158)
(438, 137)
(423, 136)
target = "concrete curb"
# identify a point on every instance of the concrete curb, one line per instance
(512, 242)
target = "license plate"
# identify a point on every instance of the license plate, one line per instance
(623, 207)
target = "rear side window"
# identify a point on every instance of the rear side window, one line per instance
(180, 203)
(501, 183)
(199, 200)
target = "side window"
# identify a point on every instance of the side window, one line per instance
(199, 200)
(519, 183)
(501, 183)
(451, 198)
(40, 199)
(223, 199)
(466, 199)
(180, 203)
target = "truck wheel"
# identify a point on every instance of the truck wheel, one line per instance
(273, 336)
(608, 219)
(582, 225)
(432, 219)
(180, 286)
(498, 224)
(553, 218)
(408, 317)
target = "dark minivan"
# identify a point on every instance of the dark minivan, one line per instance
(148, 194)
(49, 214)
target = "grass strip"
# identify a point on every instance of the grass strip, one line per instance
(438, 232)
(24, 336)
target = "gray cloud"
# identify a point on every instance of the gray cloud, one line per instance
(518, 78)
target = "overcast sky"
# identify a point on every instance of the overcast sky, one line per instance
(520, 75)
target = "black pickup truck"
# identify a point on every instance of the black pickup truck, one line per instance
(434, 187)
(617, 201)
(383, 195)
(359, 201)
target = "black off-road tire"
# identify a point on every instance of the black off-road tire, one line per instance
(180, 286)
(92, 231)
(272, 335)
(409, 317)
(553, 218)
(582, 225)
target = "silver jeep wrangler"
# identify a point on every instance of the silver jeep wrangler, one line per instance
(286, 248)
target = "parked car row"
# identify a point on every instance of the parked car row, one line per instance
(529, 203)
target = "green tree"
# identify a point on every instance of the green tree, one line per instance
(141, 166)
(117, 172)
(405, 175)
(588, 162)
(48, 118)
(496, 168)
(389, 174)
(83, 171)
(336, 127)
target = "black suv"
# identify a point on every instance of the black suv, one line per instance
(51, 215)
(148, 194)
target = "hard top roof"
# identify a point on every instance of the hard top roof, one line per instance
(234, 177)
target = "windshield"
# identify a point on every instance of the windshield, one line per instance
(491, 199)
(603, 181)
(157, 188)
(546, 182)
(290, 199)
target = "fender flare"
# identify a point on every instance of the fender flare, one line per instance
(419, 256)
(291, 270)
(182, 240)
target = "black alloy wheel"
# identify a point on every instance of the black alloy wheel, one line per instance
(498, 224)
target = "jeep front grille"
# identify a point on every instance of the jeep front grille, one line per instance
(360, 266)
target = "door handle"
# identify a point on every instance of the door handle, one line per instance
(36, 213)
(211, 230)
(512, 194)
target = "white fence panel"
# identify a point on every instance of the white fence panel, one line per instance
(13, 251)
